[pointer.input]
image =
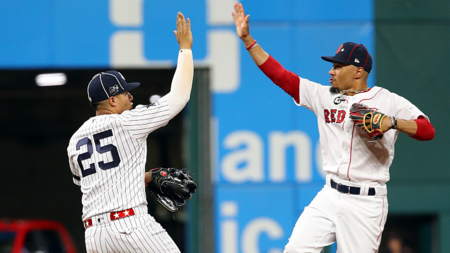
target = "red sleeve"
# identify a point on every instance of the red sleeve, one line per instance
(425, 131)
(285, 79)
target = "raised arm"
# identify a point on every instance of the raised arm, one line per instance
(180, 90)
(258, 55)
(285, 79)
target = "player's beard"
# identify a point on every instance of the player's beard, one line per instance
(335, 90)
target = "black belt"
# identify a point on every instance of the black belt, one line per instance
(349, 189)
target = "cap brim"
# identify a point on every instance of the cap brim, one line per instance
(131, 86)
(333, 59)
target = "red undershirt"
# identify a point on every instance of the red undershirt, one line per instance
(290, 83)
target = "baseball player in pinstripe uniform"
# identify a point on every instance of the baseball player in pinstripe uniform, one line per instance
(358, 128)
(107, 156)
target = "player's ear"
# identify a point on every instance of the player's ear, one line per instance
(112, 101)
(359, 72)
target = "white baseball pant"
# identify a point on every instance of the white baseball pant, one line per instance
(356, 222)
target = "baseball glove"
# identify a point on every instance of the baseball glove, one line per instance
(171, 187)
(368, 120)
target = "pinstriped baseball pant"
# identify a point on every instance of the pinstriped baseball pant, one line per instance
(138, 233)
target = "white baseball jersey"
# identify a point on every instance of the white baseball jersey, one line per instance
(347, 151)
(107, 154)
(350, 158)
(107, 157)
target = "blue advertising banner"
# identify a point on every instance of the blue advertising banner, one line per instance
(249, 221)
(60, 33)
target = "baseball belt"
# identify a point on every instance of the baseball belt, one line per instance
(350, 189)
(113, 216)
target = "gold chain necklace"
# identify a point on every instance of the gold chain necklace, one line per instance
(353, 91)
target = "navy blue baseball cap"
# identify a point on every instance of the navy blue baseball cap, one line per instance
(106, 84)
(354, 54)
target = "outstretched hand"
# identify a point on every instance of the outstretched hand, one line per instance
(258, 55)
(183, 32)
(241, 21)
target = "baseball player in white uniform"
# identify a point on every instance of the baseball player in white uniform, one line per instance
(107, 156)
(352, 207)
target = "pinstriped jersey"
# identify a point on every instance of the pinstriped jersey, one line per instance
(107, 157)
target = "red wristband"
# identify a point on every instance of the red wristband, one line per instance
(252, 45)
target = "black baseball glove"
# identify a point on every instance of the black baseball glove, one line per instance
(368, 120)
(171, 187)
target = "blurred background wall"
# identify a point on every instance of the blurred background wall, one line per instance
(256, 154)
(412, 41)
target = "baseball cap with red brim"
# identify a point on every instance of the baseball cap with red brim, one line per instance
(106, 84)
(354, 54)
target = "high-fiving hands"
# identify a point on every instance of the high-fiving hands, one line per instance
(183, 32)
(258, 55)
(241, 21)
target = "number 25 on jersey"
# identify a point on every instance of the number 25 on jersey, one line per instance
(100, 149)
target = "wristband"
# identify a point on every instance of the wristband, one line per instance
(254, 44)
(393, 122)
